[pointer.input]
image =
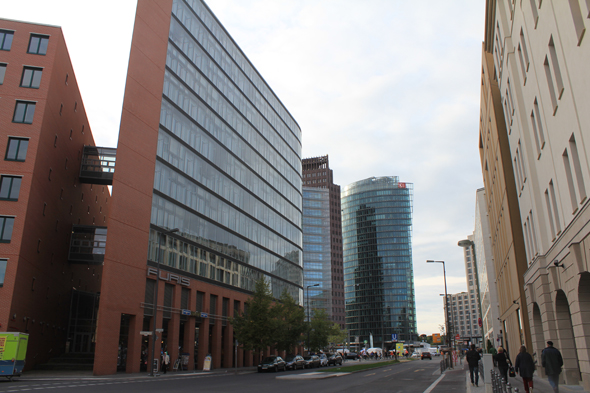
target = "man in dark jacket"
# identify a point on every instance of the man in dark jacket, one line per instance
(473, 357)
(552, 361)
(525, 366)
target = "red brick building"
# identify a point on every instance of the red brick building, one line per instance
(207, 149)
(42, 201)
(317, 173)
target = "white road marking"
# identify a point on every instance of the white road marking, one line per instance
(431, 387)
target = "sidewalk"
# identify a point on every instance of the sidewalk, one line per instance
(540, 385)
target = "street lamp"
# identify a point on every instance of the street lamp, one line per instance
(155, 300)
(308, 315)
(446, 302)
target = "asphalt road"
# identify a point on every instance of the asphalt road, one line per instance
(416, 376)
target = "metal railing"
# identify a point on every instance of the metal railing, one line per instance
(499, 384)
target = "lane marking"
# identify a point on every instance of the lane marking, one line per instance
(431, 387)
(368, 375)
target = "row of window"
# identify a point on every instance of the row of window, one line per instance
(37, 43)
(31, 77)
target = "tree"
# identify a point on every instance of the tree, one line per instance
(255, 327)
(290, 323)
(321, 328)
(338, 336)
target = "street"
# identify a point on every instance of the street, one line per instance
(414, 376)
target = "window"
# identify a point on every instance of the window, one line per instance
(2, 72)
(6, 225)
(6, 39)
(38, 44)
(17, 149)
(24, 112)
(9, 188)
(578, 20)
(3, 263)
(31, 77)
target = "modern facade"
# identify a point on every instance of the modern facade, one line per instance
(205, 148)
(52, 219)
(378, 272)
(540, 52)
(317, 269)
(317, 174)
(507, 237)
(485, 273)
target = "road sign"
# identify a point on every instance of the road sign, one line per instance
(186, 312)
(479, 322)
(457, 337)
(393, 336)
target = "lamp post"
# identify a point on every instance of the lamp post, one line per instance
(446, 303)
(308, 315)
(155, 301)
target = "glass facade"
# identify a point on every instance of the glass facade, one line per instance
(378, 273)
(228, 170)
(317, 266)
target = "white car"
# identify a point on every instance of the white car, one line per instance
(415, 355)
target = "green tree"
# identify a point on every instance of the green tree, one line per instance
(256, 326)
(321, 328)
(338, 336)
(290, 323)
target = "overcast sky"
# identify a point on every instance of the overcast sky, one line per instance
(384, 87)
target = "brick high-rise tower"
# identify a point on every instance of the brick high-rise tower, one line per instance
(317, 173)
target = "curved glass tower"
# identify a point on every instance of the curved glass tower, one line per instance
(378, 274)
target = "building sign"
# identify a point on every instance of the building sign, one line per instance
(169, 277)
(401, 185)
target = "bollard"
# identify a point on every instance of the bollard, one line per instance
(508, 387)
(515, 390)
(503, 384)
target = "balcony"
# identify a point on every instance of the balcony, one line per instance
(87, 244)
(98, 165)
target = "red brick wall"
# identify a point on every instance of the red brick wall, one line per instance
(39, 279)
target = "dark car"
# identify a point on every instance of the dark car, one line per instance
(294, 362)
(426, 355)
(352, 355)
(272, 363)
(312, 361)
(334, 359)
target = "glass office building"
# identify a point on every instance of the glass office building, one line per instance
(317, 266)
(378, 274)
(228, 170)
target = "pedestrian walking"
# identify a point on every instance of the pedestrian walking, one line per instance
(473, 357)
(525, 367)
(165, 362)
(552, 361)
(502, 360)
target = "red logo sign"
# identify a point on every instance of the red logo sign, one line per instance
(479, 322)
(401, 185)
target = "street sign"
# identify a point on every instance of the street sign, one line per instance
(457, 337)
(479, 322)
(204, 315)
(145, 333)
(186, 312)
(393, 336)
(159, 330)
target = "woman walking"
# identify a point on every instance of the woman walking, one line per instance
(525, 366)
(502, 361)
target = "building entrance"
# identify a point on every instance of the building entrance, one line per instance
(82, 323)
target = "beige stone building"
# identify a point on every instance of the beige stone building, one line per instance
(536, 55)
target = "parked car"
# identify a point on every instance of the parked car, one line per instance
(312, 361)
(274, 363)
(294, 362)
(323, 360)
(352, 355)
(334, 359)
(415, 355)
(425, 355)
